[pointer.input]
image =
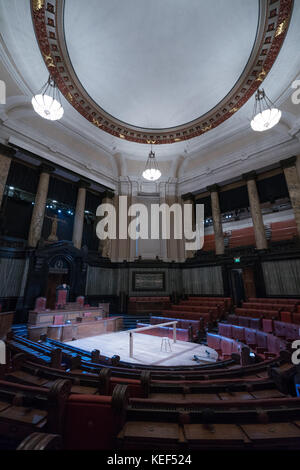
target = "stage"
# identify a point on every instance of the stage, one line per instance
(147, 349)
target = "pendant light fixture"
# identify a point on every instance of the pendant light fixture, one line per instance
(47, 101)
(151, 172)
(265, 115)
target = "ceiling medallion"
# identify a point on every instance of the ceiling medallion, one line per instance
(48, 23)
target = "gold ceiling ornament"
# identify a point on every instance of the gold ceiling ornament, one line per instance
(70, 97)
(96, 122)
(49, 60)
(207, 128)
(234, 110)
(38, 4)
(261, 76)
(281, 28)
(152, 142)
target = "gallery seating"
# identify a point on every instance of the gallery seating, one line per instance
(285, 230)
(265, 344)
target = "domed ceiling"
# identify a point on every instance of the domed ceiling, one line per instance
(159, 71)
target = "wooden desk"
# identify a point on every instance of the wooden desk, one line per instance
(84, 329)
(46, 317)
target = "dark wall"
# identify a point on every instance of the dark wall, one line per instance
(16, 217)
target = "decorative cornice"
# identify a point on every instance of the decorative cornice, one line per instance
(48, 23)
(251, 175)
(287, 163)
(7, 151)
(83, 184)
(108, 194)
(45, 168)
(213, 188)
(188, 197)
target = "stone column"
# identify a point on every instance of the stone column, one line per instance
(258, 223)
(105, 246)
(6, 154)
(38, 213)
(217, 219)
(79, 214)
(189, 199)
(293, 184)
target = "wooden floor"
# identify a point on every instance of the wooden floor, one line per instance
(147, 349)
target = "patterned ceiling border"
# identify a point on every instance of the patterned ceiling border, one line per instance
(48, 23)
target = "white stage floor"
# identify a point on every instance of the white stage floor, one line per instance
(146, 349)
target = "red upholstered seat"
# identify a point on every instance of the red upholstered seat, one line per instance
(262, 340)
(90, 423)
(214, 341)
(40, 304)
(225, 330)
(244, 321)
(255, 323)
(296, 318)
(267, 325)
(250, 336)
(292, 331)
(286, 316)
(238, 332)
(134, 386)
(280, 328)
(274, 344)
(227, 347)
(80, 300)
(62, 297)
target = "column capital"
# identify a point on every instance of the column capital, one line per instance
(7, 151)
(213, 188)
(187, 196)
(108, 194)
(83, 184)
(288, 162)
(45, 168)
(251, 175)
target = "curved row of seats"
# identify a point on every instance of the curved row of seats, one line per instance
(265, 344)
(92, 421)
(285, 330)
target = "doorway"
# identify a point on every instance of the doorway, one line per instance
(242, 284)
(237, 286)
(54, 280)
(249, 282)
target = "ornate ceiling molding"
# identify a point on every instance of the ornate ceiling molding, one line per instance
(272, 28)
